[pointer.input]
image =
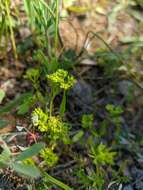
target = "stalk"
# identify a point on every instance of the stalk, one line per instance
(56, 24)
(53, 94)
(63, 104)
(10, 28)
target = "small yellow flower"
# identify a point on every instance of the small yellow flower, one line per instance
(62, 79)
(33, 75)
(57, 128)
(39, 119)
(53, 125)
(49, 156)
(29, 161)
(87, 121)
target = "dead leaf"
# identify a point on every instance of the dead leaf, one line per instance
(10, 126)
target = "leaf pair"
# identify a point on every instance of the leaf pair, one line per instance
(8, 160)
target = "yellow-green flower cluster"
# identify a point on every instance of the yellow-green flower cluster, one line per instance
(49, 156)
(29, 161)
(103, 155)
(39, 119)
(57, 128)
(62, 79)
(87, 121)
(33, 75)
(53, 125)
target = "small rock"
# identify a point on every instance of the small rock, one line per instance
(136, 173)
(124, 86)
(88, 62)
(25, 32)
(139, 185)
(128, 187)
(82, 93)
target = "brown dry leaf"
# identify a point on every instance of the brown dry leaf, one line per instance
(10, 126)
(72, 34)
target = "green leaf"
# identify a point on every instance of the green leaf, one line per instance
(27, 104)
(63, 105)
(5, 147)
(3, 123)
(2, 164)
(26, 170)
(23, 108)
(33, 150)
(17, 101)
(57, 182)
(5, 155)
(77, 9)
(136, 14)
(78, 136)
(30, 187)
(2, 95)
(131, 39)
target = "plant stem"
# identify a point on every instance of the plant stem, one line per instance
(56, 24)
(56, 182)
(51, 102)
(11, 29)
(49, 9)
(63, 104)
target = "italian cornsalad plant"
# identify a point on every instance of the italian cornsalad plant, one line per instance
(64, 113)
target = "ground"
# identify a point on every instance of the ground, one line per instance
(103, 27)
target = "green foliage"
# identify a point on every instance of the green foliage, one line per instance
(139, 2)
(63, 105)
(114, 110)
(29, 161)
(49, 179)
(103, 130)
(7, 159)
(43, 20)
(50, 158)
(102, 155)
(2, 95)
(115, 113)
(48, 122)
(87, 121)
(109, 60)
(7, 24)
(91, 180)
(47, 66)
(67, 59)
(27, 103)
(84, 179)
(28, 153)
(33, 75)
(16, 102)
(58, 130)
(27, 170)
(77, 136)
(37, 15)
(3, 123)
(53, 125)
(39, 118)
(62, 79)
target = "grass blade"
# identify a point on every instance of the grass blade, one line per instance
(33, 150)
(57, 182)
(11, 105)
